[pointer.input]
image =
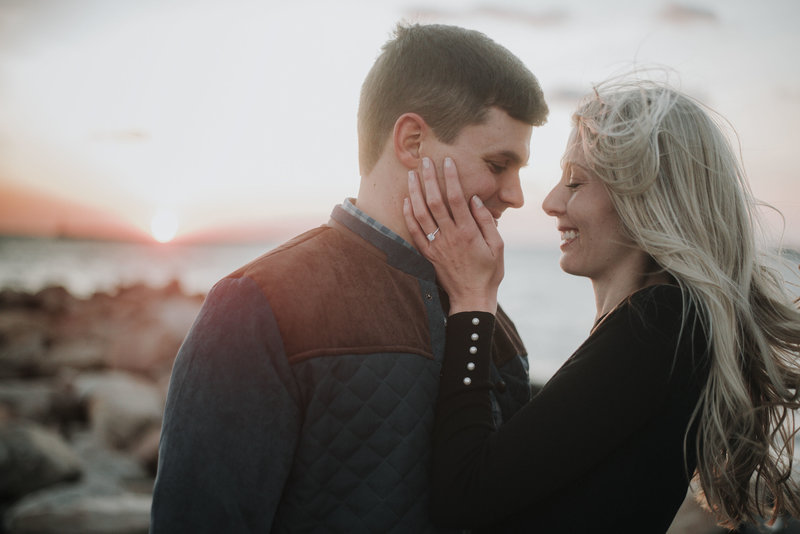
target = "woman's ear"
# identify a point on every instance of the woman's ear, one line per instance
(409, 131)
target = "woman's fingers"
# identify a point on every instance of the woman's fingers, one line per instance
(455, 196)
(433, 195)
(487, 225)
(427, 215)
(467, 252)
(414, 228)
(418, 205)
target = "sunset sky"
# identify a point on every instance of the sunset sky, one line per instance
(207, 116)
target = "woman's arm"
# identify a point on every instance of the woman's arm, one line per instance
(615, 384)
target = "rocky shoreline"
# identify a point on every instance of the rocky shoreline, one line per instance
(82, 390)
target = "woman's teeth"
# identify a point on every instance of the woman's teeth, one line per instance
(569, 235)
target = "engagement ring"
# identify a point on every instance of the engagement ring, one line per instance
(431, 236)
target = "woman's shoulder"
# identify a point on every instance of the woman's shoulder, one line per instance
(647, 331)
(658, 294)
(664, 301)
(652, 313)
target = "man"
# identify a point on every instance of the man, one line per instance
(302, 398)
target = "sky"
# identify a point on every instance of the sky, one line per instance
(209, 116)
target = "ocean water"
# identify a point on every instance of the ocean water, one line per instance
(553, 311)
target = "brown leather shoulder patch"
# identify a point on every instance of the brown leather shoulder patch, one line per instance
(331, 295)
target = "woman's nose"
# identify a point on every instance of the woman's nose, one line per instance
(553, 203)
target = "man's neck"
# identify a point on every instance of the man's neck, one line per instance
(383, 204)
(386, 212)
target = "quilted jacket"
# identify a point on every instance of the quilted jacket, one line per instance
(302, 398)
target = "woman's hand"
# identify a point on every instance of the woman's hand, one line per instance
(466, 249)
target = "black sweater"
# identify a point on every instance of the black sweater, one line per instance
(599, 449)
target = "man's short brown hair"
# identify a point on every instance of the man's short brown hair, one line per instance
(450, 76)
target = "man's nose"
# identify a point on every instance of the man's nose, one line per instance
(511, 192)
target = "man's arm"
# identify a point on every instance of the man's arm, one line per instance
(231, 420)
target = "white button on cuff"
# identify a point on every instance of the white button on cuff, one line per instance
(476, 321)
(467, 381)
(473, 350)
(474, 337)
(470, 366)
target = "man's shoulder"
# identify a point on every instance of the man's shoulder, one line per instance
(310, 246)
(324, 257)
(331, 292)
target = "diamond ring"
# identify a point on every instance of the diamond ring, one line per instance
(431, 236)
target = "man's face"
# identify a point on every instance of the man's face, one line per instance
(488, 157)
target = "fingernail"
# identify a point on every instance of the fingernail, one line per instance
(448, 162)
(411, 176)
(426, 162)
(477, 201)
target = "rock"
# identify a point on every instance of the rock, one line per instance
(145, 450)
(152, 335)
(138, 329)
(32, 457)
(68, 409)
(12, 298)
(97, 369)
(177, 314)
(24, 341)
(121, 407)
(80, 509)
(108, 466)
(143, 348)
(5, 417)
(27, 399)
(136, 296)
(78, 353)
(54, 299)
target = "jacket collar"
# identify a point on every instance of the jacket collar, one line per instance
(398, 252)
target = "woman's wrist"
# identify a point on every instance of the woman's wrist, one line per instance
(468, 351)
(479, 304)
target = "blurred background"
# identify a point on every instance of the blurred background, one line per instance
(191, 121)
(148, 148)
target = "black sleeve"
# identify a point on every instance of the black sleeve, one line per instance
(607, 390)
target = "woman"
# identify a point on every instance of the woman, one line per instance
(691, 367)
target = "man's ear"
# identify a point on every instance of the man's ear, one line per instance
(409, 131)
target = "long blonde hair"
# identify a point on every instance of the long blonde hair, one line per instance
(682, 196)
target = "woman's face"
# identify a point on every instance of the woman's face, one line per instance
(592, 240)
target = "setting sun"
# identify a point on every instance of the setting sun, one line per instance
(164, 226)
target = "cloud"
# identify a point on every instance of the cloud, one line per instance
(550, 17)
(121, 136)
(683, 14)
(566, 95)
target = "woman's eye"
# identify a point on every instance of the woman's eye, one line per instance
(573, 185)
